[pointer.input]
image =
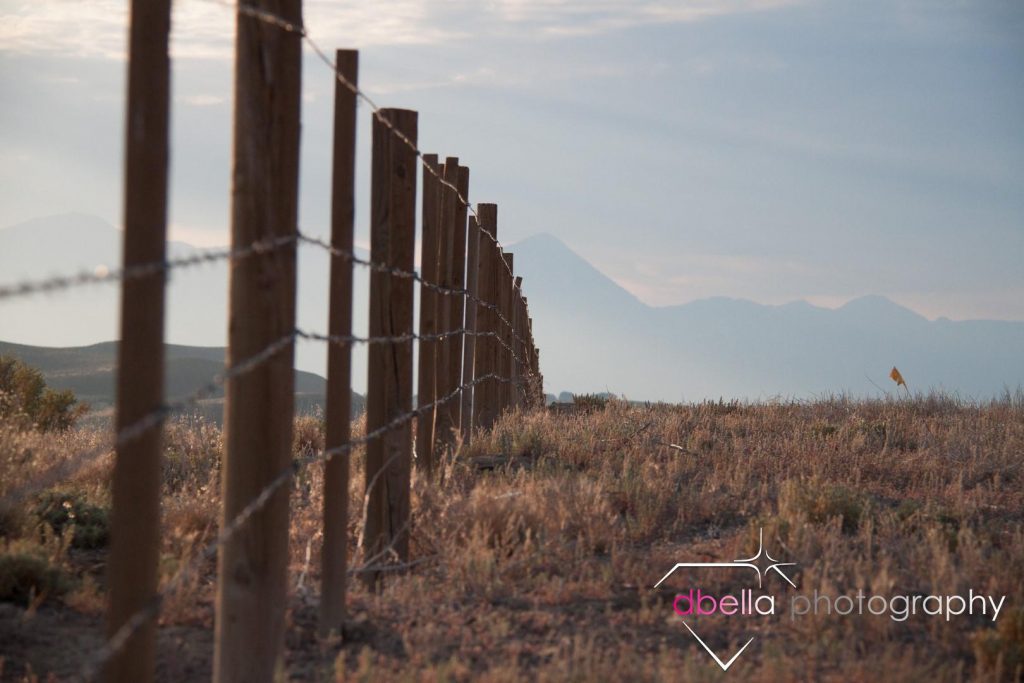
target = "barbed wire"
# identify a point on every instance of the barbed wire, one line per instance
(152, 608)
(233, 254)
(348, 340)
(394, 271)
(102, 274)
(300, 30)
(114, 644)
(78, 462)
(153, 419)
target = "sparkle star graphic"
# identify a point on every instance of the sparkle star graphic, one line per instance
(765, 563)
(761, 562)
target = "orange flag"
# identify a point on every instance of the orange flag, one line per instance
(897, 377)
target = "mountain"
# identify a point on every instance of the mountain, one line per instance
(90, 371)
(594, 336)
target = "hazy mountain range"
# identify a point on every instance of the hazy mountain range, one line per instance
(593, 334)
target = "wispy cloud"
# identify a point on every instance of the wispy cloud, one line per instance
(94, 29)
(203, 100)
(205, 28)
(571, 18)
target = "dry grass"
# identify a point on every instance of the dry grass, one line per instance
(542, 569)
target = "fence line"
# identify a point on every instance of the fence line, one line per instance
(499, 342)
(410, 274)
(114, 644)
(79, 461)
(84, 278)
(284, 24)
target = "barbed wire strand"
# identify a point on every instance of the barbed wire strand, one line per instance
(260, 247)
(291, 27)
(152, 608)
(118, 640)
(416, 277)
(76, 463)
(101, 274)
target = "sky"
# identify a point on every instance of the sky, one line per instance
(768, 150)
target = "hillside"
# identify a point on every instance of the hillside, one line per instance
(89, 371)
(196, 297)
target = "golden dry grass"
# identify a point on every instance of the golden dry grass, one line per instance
(542, 568)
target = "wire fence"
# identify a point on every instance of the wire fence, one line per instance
(498, 347)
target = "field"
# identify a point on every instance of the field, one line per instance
(535, 552)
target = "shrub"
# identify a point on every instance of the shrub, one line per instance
(25, 397)
(819, 502)
(590, 403)
(24, 576)
(63, 511)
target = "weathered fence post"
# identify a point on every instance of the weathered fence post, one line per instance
(469, 350)
(458, 302)
(540, 377)
(135, 538)
(517, 371)
(485, 392)
(334, 555)
(426, 384)
(507, 291)
(389, 389)
(498, 278)
(524, 348)
(259, 407)
(443, 417)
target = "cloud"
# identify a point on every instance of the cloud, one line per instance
(77, 29)
(204, 29)
(568, 18)
(204, 100)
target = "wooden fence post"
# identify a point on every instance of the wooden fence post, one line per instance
(389, 389)
(426, 383)
(487, 278)
(469, 349)
(507, 283)
(524, 332)
(540, 377)
(334, 555)
(443, 418)
(259, 407)
(458, 302)
(518, 372)
(135, 537)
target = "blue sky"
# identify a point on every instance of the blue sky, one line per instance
(764, 150)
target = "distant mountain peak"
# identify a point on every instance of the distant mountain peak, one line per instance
(878, 305)
(63, 221)
(544, 240)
